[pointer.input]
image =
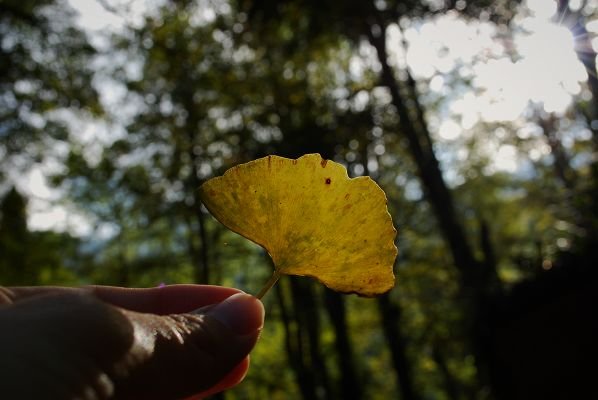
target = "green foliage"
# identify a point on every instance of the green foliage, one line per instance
(45, 68)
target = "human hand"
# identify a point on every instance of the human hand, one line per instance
(180, 341)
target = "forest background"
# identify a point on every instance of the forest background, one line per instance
(479, 119)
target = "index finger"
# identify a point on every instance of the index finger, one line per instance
(172, 299)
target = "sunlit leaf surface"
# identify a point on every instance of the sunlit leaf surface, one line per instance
(311, 218)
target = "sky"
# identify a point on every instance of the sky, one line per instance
(504, 88)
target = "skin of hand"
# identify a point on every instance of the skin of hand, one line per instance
(96, 343)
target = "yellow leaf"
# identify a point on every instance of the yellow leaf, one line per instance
(311, 218)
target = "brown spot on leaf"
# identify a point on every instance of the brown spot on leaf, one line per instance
(269, 162)
(294, 162)
(347, 196)
(328, 181)
(324, 162)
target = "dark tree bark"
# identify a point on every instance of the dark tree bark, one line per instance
(450, 384)
(562, 166)
(200, 254)
(15, 240)
(301, 324)
(489, 254)
(349, 384)
(576, 22)
(294, 348)
(420, 146)
(391, 323)
(475, 279)
(307, 319)
(311, 139)
(390, 316)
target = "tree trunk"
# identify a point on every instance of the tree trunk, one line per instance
(489, 262)
(202, 267)
(437, 193)
(294, 347)
(349, 385)
(475, 279)
(200, 254)
(391, 322)
(562, 166)
(576, 22)
(390, 315)
(450, 385)
(308, 320)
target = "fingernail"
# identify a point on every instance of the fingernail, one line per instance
(241, 313)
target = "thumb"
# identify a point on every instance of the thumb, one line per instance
(184, 354)
(73, 345)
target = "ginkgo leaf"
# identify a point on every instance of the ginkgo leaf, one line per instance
(311, 218)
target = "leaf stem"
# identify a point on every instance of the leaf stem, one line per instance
(271, 282)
